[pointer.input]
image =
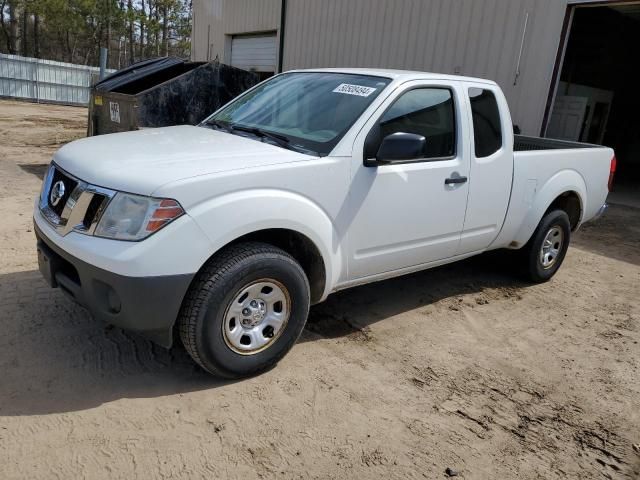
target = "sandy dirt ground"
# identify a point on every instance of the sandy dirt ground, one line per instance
(461, 367)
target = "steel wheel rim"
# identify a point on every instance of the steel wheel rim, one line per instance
(256, 316)
(551, 247)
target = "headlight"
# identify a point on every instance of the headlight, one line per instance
(45, 182)
(134, 217)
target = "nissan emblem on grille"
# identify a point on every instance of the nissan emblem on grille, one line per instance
(70, 204)
(57, 192)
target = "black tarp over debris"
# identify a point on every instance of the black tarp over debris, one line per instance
(162, 92)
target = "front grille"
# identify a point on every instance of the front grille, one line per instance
(76, 205)
(96, 205)
(69, 185)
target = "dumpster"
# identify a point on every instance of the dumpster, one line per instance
(162, 92)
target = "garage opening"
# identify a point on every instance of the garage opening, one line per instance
(256, 53)
(597, 98)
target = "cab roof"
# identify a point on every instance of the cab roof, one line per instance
(400, 75)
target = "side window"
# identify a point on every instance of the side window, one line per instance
(424, 111)
(487, 130)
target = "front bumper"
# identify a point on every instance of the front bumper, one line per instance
(147, 305)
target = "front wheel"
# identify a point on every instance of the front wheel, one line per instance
(545, 251)
(245, 310)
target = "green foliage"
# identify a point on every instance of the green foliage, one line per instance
(75, 30)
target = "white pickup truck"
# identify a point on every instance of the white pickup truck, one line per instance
(311, 182)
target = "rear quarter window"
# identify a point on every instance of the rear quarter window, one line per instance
(487, 129)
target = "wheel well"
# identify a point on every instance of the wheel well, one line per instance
(299, 247)
(570, 203)
(295, 244)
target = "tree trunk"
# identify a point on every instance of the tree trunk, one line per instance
(122, 42)
(118, 66)
(13, 28)
(24, 45)
(100, 38)
(131, 43)
(3, 25)
(108, 45)
(36, 35)
(69, 49)
(165, 29)
(156, 33)
(143, 17)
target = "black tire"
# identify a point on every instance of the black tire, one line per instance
(202, 315)
(535, 270)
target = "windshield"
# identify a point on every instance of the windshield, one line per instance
(308, 110)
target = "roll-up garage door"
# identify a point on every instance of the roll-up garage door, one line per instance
(254, 52)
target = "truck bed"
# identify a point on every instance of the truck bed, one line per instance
(523, 143)
(544, 168)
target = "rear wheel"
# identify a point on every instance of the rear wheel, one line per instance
(245, 310)
(546, 250)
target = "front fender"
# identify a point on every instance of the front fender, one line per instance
(562, 182)
(231, 216)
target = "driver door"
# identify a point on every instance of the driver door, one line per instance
(408, 214)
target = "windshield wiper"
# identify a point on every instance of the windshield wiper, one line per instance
(281, 140)
(218, 124)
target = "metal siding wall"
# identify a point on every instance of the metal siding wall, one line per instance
(226, 17)
(468, 37)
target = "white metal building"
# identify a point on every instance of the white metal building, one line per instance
(547, 55)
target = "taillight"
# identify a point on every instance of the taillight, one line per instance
(612, 172)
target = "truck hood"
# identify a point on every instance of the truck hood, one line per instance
(141, 161)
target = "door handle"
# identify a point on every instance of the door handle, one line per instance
(455, 180)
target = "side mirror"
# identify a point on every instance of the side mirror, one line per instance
(399, 147)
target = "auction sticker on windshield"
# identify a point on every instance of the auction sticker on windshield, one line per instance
(358, 90)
